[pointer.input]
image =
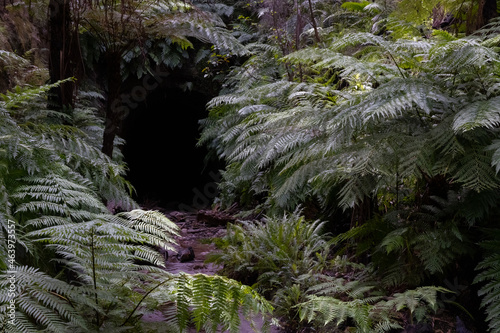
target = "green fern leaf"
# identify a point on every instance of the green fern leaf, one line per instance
(153, 223)
(474, 171)
(478, 114)
(40, 299)
(223, 295)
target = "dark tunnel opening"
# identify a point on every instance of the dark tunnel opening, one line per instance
(166, 167)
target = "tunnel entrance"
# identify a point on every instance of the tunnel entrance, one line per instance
(165, 166)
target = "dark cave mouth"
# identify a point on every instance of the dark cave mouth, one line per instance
(166, 167)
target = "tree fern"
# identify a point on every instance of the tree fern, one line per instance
(101, 253)
(495, 145)
(474, 171)
(393, 87)
(397, 126)
(101, 250)
(462, 56)
(411, 244)
(19, 96)
(190, 22)
(67, 140)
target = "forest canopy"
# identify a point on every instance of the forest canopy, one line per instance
(359, 142)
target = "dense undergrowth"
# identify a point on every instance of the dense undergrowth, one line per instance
(386, 128)
(379, 119)
(68, 263)
(313, 287)
(77, 253)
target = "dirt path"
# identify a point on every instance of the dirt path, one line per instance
(195, 234)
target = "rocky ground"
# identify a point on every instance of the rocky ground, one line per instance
(197, 229)
(195, 234)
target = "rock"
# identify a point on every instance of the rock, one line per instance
(214, 218)
(185, 255)
(176, 216)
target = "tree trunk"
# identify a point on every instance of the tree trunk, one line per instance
(313, 21)
(113, 115)
(60, 66)
(487, 9)
(298, 25)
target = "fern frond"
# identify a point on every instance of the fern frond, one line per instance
(478, 114)
(203, 26)
(349, 301)
(55, 194)
(354, 39)
(21, 96)
(461, 55)
(474, 171)
(411, 299)
(98, 248)
(495, 147)
(210, 301)
(327, 309)
(153, 223)
(310, 56)
(393, 99)
(40, 301)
